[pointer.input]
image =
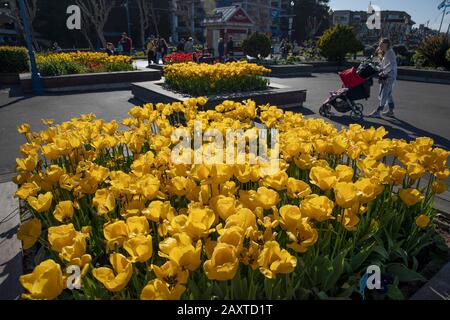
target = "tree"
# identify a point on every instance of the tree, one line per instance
(310, 18)
(337, 41)
(31, 7)
(257, 45)
(97, 12)
(147, 17)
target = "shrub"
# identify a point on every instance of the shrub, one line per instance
(14, 60)
(447, 55)
(434, 50)
(337, 42)
(401, 50)
(257, 45)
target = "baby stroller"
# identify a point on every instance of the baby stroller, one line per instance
(356, 86)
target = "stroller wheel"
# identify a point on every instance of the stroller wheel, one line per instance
(325, 111)
(356, 115)
(359, 107)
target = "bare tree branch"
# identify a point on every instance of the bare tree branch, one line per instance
(31, 8)
(147, 17)
(97, 11)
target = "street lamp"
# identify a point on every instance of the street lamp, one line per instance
(35, 77)
(127, 10)
(291, 20)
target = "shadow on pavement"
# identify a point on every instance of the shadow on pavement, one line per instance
(10, 272)
(402, 129)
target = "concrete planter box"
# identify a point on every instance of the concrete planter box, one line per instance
(287, 71)
(433, 76)
(277, 95)
(9, 78)
(91, 81)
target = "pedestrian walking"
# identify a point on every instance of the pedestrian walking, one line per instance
(189, 45)
(285, 48)
(230, 47)
(127, 44)
(161, 50)
(180, 45)
(387, 79)
(151, 51)
(221, 49)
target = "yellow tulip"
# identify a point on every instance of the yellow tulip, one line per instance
(180, 250)
(140, 248)
(42, 203)
(115, 234)
(137, 225)
(63, 211)
(302, 237)
(319, 208)
(422, 221)
(368, 189)
(273, 260)
(267, 198)
(171, 273)
(298, 188)
(223, 206)
(29, 232)
(233, 236)
(410, 196)
(157, 289)
(61, 236)
(104, 201)
(223, 264)
(243, 218)
(346, 194)
(344, 173)
(323, 177)
(44, 283)
(158, 211)
(115, 279)
(27, 190)
(290, 217)
(199, 221)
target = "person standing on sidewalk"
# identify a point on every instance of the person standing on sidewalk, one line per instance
(221, 49)
(387, 79)
(127, 44)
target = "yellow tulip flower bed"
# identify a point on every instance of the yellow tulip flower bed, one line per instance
(220, 78)
(56, 64)
(109, 201)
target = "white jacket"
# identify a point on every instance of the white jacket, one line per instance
(389, 64)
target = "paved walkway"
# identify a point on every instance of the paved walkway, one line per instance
(10, 246)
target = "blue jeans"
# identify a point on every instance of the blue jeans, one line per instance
(385, 95)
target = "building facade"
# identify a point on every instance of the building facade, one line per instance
(8, 25)
(396, 25)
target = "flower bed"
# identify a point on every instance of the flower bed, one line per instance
(138, 224)
(206, 79)
(182, 57)
(57, 64)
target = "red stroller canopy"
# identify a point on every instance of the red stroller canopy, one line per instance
(350, 78)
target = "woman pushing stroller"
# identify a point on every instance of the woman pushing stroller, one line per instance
(387, 79)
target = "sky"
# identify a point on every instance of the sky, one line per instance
(420, 10)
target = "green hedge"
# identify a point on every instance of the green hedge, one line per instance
(14, 60)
